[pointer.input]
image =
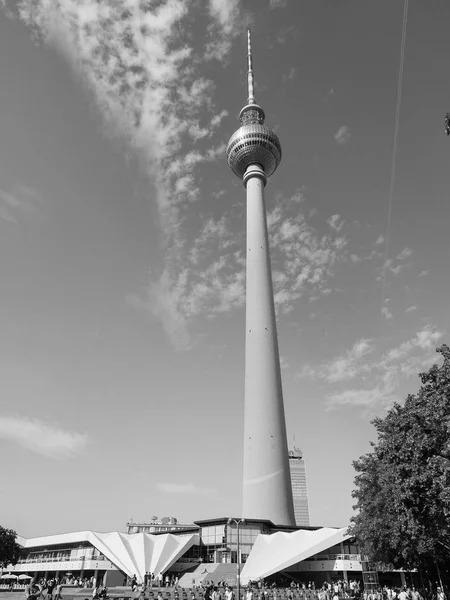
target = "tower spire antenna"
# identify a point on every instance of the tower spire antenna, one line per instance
(250, 76)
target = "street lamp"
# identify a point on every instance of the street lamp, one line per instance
(238, 560)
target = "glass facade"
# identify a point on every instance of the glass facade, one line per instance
(82, 551)
(220, 542)
(299, 487)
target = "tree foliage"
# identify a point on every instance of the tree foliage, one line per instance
(403, 485)
(9, 548)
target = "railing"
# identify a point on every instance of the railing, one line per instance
(47, 559)
(335, 557)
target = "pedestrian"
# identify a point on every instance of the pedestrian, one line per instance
(229, 594)
(57, 591)
(440, 594)
(30, 593)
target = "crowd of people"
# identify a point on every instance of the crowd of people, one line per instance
(43, 589)
(151, 580)
(293, 590)
(51, 589)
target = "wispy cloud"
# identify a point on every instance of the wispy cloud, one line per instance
(277, 4)
(284, 34)
(342, 368)
(395, 266)
(144, 66)
(386, 312)
(183, 489)
(405, 253)
(336, 222)
(43, 438)
(386, 372)
(303, 261)
(20, 202)
(411, 309)
(342, 135)
(137, 60)
(290, 75)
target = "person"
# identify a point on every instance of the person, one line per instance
(57, 591)
(249, 594)
(39, 589)
(229, 595)
(216, 593)
(447, 131)
(403, 594)
(30, 591)
(134, 583)
(440, 593)
(142, 590)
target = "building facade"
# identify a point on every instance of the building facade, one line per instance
(299, 484)
(159, 525)
(212, 553)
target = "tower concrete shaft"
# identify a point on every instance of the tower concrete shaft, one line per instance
(267, 491)
(253, 153)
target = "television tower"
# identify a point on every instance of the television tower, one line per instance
(253, 153)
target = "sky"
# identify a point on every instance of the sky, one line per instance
(122, 240)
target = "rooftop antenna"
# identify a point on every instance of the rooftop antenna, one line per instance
(250, 78)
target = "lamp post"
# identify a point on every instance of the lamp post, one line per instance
(238, 558)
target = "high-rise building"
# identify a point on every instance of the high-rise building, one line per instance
(253, 153)
(299, 484)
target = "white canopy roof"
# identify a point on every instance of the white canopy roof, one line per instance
(276, 552)
(134, 554)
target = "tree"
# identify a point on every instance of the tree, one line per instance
(403, 485)
(9, 548)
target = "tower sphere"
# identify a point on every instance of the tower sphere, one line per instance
(253, 143)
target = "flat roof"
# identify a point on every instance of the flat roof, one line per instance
(270, 524)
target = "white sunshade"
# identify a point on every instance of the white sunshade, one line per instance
(276, 552)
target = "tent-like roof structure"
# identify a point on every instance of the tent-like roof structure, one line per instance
(134, 554)
(276, 552)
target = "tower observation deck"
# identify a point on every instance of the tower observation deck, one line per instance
(254, 153)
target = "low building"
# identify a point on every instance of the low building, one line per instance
(209, 551)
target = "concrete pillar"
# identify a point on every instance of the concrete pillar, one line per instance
(403, 578)
(267, 491)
